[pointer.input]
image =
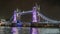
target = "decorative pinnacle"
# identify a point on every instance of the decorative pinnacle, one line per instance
(37, 6)
(17, 10)
(23, 11)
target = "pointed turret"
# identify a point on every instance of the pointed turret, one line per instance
(17, 9)
(34, 19)
(34, 13)
(37, 6)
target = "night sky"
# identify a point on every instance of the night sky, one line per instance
(50, 8)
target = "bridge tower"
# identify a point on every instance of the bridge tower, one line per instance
(34, 19)
(15, 29)
(14, 17)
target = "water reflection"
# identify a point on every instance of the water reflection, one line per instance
(48, 30)
(26, 30)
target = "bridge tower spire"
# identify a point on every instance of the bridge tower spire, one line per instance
(14, 16)
(15, 29)
(34, 19)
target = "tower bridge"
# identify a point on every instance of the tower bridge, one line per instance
(35, 15)
(39, 15)
(36, 22)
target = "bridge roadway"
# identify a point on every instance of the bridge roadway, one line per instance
(38, 25)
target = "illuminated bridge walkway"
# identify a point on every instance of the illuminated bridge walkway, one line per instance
(47, 20)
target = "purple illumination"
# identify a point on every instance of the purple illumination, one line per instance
(34, 31)
(14, 17)
(34, 12)
(14, 30)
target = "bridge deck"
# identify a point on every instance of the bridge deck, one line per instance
(39, 25)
